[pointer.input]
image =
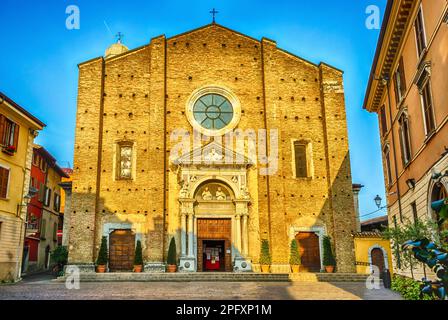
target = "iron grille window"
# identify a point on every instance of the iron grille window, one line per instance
(213, 112)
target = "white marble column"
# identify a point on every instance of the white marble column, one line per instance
(238, 233)
(245, 234)
(183, 234)
(190, 235)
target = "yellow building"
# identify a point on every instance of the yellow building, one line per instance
(372, 250)
(18, 128)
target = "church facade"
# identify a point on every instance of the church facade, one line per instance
(217, 140)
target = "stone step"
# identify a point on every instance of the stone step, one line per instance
(223, 277)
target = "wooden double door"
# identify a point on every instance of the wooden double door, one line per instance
(214, 245)
(378, 260)
(121, 250)
(309, 250)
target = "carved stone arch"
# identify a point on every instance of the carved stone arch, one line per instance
(204, 180)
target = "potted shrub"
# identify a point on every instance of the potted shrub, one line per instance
(59, 258)
(294, 258)
(138, 258)
(265, 257)
(172, 259)
(101, 262)
(329, 261)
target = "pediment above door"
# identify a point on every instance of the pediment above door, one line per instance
(213, 154)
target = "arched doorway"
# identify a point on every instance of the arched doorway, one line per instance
(121, 250)
(309, 250)
(378, 259)
(439, 192)
(214, 210)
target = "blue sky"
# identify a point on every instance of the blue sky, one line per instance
(39, 56)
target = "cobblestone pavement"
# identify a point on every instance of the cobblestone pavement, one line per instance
(41, 287)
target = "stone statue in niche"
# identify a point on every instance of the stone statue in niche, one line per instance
(184, 192)
(245, 193)
(220, 195)
(207, 195)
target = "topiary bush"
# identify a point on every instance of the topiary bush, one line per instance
(408, 288)
(60, 256)
(172, 258)
(138, 258)
(102, 254)
(328, 259)
(265, 255)
(294, 258)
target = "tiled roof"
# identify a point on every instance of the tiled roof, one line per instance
(367, 234)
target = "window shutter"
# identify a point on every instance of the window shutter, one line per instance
(56, 202)
(383, 120)
(55, 231)
(16, 135)
(402, 77)
(43, 229)
(41, 192)
(47, 197)
(2, 129)
(301, 165)
(396, 88)
(4, 175)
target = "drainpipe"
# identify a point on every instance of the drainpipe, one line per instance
(387, 80)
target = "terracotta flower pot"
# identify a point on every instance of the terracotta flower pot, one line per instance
(265, 268)
(295, 268)
(138, 268)
(101, 269)
(171, 268)
(329, 269)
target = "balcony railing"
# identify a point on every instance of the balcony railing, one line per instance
(32, 227)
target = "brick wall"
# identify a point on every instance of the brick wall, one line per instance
(144, 100)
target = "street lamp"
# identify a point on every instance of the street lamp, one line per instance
(378, 200)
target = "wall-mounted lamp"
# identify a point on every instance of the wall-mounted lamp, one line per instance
(31, 193)
(378, 200)
(411, 183)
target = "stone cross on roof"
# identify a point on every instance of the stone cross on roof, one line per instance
(214, 12)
